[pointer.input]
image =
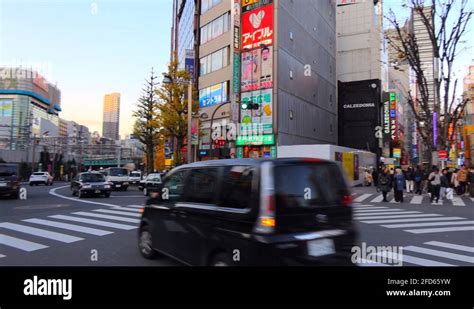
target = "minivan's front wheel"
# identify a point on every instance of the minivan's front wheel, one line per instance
(145, 244)
(222, 260)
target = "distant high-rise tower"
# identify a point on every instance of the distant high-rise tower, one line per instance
(110, 128)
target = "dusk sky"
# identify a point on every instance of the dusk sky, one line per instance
(93, 47)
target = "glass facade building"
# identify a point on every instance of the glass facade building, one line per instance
(185, 30)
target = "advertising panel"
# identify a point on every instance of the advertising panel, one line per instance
(6, 110)
(262, 118)
(213, 95)
(189, 62)
(257, 27)
(236, 64)
(393, 117)
(348, 164)
(248, 5)
(257, 69)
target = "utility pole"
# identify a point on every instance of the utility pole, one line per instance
(33, 154)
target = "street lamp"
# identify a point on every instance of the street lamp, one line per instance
(167, 79)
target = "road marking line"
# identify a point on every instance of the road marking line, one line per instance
(392, 201)
(119, 226)
(413, 220)
(2, 256)
(411, 259)
(441, 229)
(439, 253)
(378, 199)
(450, 246)
(127, 209)
(398, 216)
(90, 214)
(53, 192)
(367, 208)
(457, 201)
(417, 199)
(362, 197)
(378, 210)
(135, 206)
(428, 224)
(126, 196)
(72, 227)
(20, 243)
(387, 213)
(39, 232)
(123, 213)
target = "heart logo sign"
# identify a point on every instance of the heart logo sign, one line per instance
(256, 19)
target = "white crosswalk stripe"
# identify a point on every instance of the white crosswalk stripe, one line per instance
(358, 208)
(378, 199)
(362, 197)
(126, 209)
(71, 227)
(2, 256)
(412, 259)
(417, 199)
(450, 246)
(119, 226)
(398, 216)
(439, 253)
(391, 226)
(441, 230)
(20, 243)
(40, 232)
(114, 212)
(377, 209)
(135, 206)
(96, 215)
(412, 220)
(387, 213)
(457, 201)
(368, 263)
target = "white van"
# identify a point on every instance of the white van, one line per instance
(118, 178)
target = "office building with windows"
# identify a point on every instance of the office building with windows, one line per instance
(111, 116)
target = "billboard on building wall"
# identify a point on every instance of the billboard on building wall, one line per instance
(257, 27)
(257, 69)
(189, 62)
(393, 117)
(260, 120)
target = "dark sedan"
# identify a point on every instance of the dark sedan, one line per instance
(90, 183)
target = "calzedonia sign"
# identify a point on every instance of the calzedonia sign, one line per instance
(255, 140)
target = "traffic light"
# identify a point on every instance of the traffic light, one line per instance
(250, 106)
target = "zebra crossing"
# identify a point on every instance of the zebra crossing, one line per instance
(431, 253)
(68, 228)
(457, 201)
(415, 222)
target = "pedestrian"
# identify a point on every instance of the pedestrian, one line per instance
(462, 178)
(385, 183)
(410, 179)
(399, 185)
(444, 185)
(418, 178)
(368, 178)
(375, 177)
(435, 184)
(470, 178)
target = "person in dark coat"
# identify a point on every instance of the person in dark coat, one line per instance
(418, 177)
(399, 183)
(385, 183)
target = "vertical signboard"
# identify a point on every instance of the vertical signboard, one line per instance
(393, 117)
(236, 15)
(189, 62)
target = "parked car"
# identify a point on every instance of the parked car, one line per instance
(251, 212)
(135, 177)
(90, 183)
(9, 180)
(151, 183)
(41, 178)
(118, 178)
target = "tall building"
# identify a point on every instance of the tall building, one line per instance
(63, 126)
(267, 67)
(361, 73)
(111, 119)
(29, 106)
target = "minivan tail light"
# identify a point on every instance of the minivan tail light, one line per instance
(266, 218)
(347, 200)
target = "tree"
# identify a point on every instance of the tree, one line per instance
(445, 23)
(173, 108)
(159, 162)
(146, 127)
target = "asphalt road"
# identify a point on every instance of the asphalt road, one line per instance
(58, 230)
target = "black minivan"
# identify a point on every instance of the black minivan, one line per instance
(251, 212)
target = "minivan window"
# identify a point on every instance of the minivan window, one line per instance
(308, 185)
(202, 185)
(118, 172)
(236, 189)
(8, 170)
(175, 183)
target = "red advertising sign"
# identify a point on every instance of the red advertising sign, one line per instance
(443, 154)
(257, 27)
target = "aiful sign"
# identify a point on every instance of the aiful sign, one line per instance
(257, 27)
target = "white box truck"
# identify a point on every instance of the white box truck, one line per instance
(353, 161)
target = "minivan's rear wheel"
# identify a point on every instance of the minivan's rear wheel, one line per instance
(145, 244)
(221, 259)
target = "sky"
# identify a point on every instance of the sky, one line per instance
(89, 48)
(94, 47)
